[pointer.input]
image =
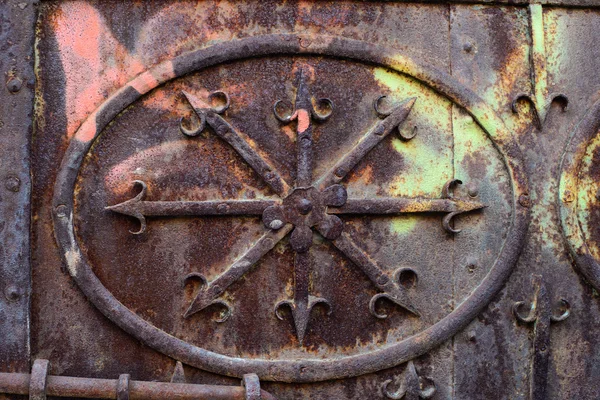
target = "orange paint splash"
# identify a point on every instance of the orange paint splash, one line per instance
(149, 80)
(94, 62)
(303, 120)
(87, 130)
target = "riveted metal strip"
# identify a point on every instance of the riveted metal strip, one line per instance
(16, 97)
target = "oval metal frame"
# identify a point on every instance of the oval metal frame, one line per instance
(567, 198)
(305, 370)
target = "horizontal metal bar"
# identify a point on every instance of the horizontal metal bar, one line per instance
(91, 388)
(509, 3)
(404, 205)
(593, 4)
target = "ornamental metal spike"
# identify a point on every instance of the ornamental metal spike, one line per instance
(178, 374)
(540, 100)
(303, 302)
(392, 290)
(210, 115)
(412, 386)
(379, 131)
(210, 291)
(140, 208)
(301, 209)
(541, 314)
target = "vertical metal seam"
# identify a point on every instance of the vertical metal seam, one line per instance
(453, 341)
(15, 208)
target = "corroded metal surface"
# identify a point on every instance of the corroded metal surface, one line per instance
(578, 196)
(341, 199)
(541, 314)
(297, 210)
(16, 120)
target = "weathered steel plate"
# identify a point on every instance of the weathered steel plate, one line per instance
(273, 188)
(579, 194)
(299, 211)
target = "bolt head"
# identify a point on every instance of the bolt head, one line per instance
(14, 84)
(223, 208)
(524, 200)
(472, 190)
(12, 293)
(305, 206)
(471, 336)
(276, 224)
(61, 211)
(13, 184)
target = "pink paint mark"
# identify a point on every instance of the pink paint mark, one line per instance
(148, 80)
(94, 62)
(303, 120)
(87, 130)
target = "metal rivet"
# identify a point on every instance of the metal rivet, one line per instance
(305, 206)
(472, 190)
(14, 84)
(340, 172)
(61, 211)
(380, 130)
(304, 42)
(471, 336)
(276, 224)
(223, 208)
(524, 200)
(12, 293)
(13, 184)
(468, 47)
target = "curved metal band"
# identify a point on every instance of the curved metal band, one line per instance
(252, 385)
(38, 380)
(123, 387)
(567, 198)
(306, 370)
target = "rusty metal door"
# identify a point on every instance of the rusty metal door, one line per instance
(300, 199)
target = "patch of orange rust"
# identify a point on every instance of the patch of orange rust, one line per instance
(362, 175)
(171, 99)
(303, 120)
(240, 94)
(289, 131)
